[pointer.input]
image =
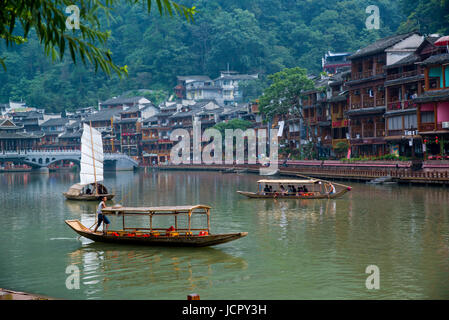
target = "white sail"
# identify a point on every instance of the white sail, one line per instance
(91, 156)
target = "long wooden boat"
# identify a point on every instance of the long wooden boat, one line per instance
(304, 189)
(150, 236)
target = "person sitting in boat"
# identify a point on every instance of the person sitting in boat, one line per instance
(304, 189)
(283, 191)
(271, 189)
(101, 189)
(101, 216)
(293, 189)
(88, 191)
(266, 189)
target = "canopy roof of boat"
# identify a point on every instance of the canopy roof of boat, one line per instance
(165, 210)
(77, 188)
(309, 181)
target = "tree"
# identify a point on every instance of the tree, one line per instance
(52, 25)
(283, 95)
(233, 124)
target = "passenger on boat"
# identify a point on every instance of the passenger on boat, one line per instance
(293, 190)
(271, 189)
(266, 189)
(304, 189)
(101, 189)
(101, 216)
(283, 191)
(88, 191)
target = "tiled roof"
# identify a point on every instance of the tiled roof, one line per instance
(122, 100)
(380, 45)
(103, 115)
(436, 59)
(433, 96)
(410, 59)
(55, 122)
(365, 111)
(195, 78)
(68, 135)
(18, 135)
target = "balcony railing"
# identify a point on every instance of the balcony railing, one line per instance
(380, 102)
(402, 75)
(398, 105)
(426, 127)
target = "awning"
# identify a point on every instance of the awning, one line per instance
(392, 138)
(443, 41)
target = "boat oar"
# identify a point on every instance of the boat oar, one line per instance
(338, 184)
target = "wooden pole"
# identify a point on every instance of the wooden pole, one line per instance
(208, 220)
(190, 213)
(93, 157)
(338, 184)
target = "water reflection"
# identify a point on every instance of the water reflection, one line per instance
(106, 269)
(300, 249)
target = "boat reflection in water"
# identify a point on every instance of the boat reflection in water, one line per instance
(151, 272)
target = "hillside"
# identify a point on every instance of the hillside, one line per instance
(257, 36)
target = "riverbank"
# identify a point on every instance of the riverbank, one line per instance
(339, 170)
(6, 294)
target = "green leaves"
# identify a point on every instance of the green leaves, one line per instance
(49, 20)
(284, 92)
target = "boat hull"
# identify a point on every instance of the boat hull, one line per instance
(254, 195)
(88, 197)
(174, 241)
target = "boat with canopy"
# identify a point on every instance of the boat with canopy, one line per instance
(89, 188)
(296, 189)
(175, 235)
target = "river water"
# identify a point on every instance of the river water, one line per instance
(295, 249)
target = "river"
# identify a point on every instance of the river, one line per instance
(295, 249)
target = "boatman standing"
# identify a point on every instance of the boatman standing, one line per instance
(331, 189)
(101, 216)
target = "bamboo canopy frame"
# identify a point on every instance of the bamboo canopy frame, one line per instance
(161, 211)
(337, 184)
(329, 191)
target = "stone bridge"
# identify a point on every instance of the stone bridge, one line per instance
(41, 159)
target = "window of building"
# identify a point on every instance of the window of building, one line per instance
(395, 123)
(427, 117)
(436, 78)
(410, 121)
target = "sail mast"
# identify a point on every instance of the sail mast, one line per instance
(93, 157)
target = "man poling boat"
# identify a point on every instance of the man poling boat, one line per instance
(148, 234)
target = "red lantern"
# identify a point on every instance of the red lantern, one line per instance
(436, 139)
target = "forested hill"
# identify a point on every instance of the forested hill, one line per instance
(260, 36)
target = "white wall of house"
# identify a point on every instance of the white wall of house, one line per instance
(403, 48)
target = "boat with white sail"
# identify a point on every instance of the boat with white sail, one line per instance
(89, 188)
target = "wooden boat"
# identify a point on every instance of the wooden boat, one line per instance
(91, 169)
(150, 236)
(315, 189)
